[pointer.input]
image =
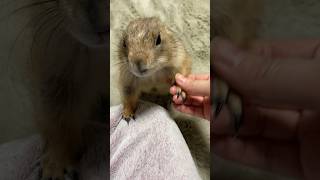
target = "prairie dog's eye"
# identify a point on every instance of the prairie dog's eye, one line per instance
(158, 42)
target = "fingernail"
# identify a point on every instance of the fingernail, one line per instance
(225, 52)
(180, 78)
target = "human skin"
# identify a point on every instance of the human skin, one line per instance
(280, 86)
(197, 87)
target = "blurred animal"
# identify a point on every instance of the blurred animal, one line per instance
(68, 66)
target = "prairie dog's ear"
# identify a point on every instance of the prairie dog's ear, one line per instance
(237, 20)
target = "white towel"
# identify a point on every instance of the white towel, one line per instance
(149, 147)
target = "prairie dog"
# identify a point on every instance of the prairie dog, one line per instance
(149, 57)
(237, 21)
(68, 66)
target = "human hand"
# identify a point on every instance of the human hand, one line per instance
(280, 86)
(197, 88)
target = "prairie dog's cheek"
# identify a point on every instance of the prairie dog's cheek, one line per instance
(156, 54)
(130, 55)
(150, 58)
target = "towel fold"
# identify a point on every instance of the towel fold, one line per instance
(149, 147)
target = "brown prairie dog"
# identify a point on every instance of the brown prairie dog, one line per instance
(149, 57)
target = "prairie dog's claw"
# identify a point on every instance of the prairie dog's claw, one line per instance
(128, 118)
(218, 108)
(235, 106)
(182, 94)
(237, 122)
(178, 93)
(223, 96)
(220, 95)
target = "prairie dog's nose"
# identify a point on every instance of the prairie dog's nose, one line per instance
(141, 66)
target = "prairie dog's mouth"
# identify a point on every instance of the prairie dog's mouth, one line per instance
(144, 73)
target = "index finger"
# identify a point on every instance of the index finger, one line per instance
(199, 76)
(193, 87)
(298, 48)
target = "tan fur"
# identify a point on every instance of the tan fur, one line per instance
(162, 62)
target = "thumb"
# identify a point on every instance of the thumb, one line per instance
(266, 81)
(192, 86)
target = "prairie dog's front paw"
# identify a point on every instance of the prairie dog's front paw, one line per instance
(51, 168)
(181, 93)
(128, 114)
(223, 96)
